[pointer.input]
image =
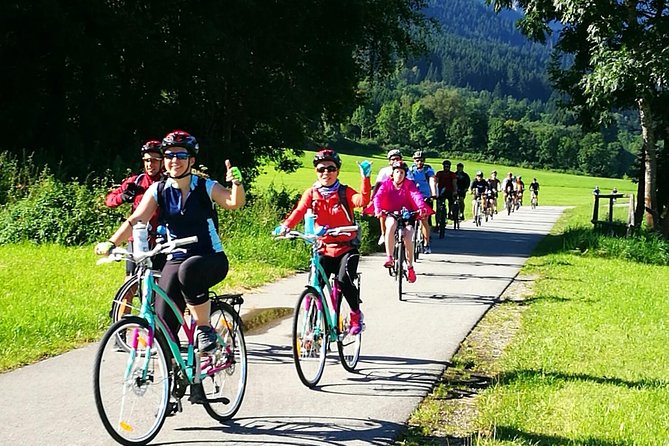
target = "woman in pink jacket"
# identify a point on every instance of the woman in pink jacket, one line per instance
(394, 194)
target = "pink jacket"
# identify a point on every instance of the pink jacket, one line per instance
(389, 198)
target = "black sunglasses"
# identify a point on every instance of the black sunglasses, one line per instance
(178, 155)
(328, 168)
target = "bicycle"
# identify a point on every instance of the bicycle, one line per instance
(509, 203)
(418, 240)
(489, 210)
(133, 387)
(322, 316)
(455, 211)
(442, 215)
(400, 268)
(477, 210)
(534, 199)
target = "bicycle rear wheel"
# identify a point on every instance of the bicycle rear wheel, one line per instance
(309, 338)
(132, 387)
(224, 372)
(348, 345)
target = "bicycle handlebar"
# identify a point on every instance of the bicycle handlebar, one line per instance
(339, 230)
(118, 254)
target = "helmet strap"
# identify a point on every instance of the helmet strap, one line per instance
(185, 174)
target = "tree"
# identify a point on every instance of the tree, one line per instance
(618, 58)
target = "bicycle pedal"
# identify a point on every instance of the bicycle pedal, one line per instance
(174, 407)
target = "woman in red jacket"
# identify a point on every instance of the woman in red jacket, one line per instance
(339, 255)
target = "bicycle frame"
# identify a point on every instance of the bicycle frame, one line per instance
(316, 276)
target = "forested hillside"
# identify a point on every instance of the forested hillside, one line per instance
(478, 49)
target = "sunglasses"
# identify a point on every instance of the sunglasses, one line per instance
(151, 160)
(178, 155)
(395, 159)
(328, 168)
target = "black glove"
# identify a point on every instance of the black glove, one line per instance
(129, 193)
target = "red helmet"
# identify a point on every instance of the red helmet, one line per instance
(152, 146)
(179, 138)
(400, 165)
(326, 154)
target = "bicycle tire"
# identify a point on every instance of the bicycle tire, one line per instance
(456, 214)
(399, 261)
(509, 206)
(309, 338)
(122, 305)
(348, 346)
(441, 222)
(225, 372)
(417, 240)
(117, 370)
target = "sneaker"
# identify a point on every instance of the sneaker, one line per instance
(389, 262)
(355, 326)
(427, 249)
(206, 338)
(411, 275)
(382, 240)
(196, 394)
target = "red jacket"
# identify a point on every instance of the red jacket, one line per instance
(329, 212)
(143, 181)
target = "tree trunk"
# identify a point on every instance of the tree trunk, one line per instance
(650, 163)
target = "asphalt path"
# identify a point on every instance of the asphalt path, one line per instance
(406, 347)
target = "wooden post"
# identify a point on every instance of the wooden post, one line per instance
(595, 211)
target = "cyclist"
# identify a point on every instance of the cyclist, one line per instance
(132, 189)
(333, 203)
(394, 194)
(185, 203)
(519, 188)
(447, 184)
(534, 191)
(463, 185)
(494, 186)
(508, 188)
(423, 175)
(479, 187)
(385, 173)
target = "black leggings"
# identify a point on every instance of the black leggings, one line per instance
(188, 281)
(345, 268)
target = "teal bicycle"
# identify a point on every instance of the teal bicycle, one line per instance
(137, 385)
(322, 316)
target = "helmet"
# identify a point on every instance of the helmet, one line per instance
(446, 163)
(394, 152)
(418, 154)
(326, 154)
(494, 172)
(460, 165)
(479, 173)
(152, 146)
(400, 165)
(179, 138)
(519, 178)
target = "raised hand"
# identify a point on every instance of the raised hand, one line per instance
(233, 174)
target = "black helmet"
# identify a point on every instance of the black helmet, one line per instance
(152, 146)
(479, 173)
(179, 138)
(400, 165)
(460, 165)
(326, 154)
(418, 154)
(446, 163)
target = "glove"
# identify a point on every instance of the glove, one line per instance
(104, 248)
(233, 175)
(281, 230)
(365, 169)
(129, 193)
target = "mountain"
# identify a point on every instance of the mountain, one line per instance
(481, 50)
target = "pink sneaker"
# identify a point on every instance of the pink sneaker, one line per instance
(389, 262)
(411, 275)
(355, 326)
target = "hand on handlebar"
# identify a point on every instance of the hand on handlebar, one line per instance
(104, 248)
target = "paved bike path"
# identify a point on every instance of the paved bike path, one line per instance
(406, 346)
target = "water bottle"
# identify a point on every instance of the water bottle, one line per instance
(140, 235)
(309, 222)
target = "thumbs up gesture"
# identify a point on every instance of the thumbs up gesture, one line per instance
(233, 174)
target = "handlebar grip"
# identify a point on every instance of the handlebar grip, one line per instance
(185, 241)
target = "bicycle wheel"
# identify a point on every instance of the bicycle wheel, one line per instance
(348, 345)
(441, 220)
(132, 388)
(225, 371)
(309, 338)
(509, 206)
(127, 301)
(456, 214)
(399, 262)
(417, 241)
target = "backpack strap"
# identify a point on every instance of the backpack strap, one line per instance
(344, 201)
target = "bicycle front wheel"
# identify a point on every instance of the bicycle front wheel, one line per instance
(309, 338)
(399, 262)
(417, 240)
(348, 345)
(224, 372)
(132, 387)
